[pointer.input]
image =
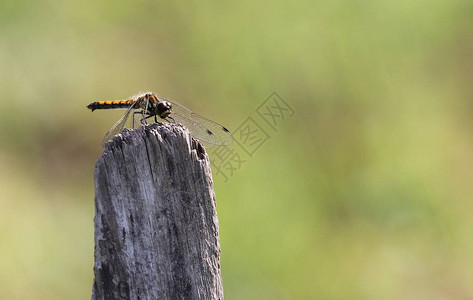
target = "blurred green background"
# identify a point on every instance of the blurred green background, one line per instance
(365, 193)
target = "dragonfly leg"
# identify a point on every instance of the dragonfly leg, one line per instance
(135, 113)
(144, 118)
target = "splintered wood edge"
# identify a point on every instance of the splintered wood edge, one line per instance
(161, 131)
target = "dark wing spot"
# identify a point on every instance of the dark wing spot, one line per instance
(225, 129)
(209, 132)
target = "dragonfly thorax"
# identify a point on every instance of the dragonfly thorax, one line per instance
(153, 106)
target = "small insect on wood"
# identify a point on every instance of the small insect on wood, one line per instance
(150, 105)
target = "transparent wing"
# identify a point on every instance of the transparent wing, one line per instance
(196, 130)
(203, 129)
(221, 134)
(118, 127)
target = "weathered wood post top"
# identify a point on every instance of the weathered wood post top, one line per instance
(156, 227)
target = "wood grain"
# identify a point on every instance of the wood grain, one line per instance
(156, 227)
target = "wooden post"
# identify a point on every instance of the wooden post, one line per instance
(156, 227)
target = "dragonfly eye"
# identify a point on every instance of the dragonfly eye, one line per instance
(164, 109)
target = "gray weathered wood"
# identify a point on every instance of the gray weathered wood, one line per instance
(156, 227)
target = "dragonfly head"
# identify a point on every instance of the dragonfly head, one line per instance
(163, 109)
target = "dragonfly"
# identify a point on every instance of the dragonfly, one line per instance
(150, 105)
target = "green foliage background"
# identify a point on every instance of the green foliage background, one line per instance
(366, 193)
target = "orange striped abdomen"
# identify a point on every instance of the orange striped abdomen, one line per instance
(110, 104)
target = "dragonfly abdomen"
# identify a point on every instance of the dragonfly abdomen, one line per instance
(110, 104)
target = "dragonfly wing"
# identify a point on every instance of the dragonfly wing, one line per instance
(117, 128)
(197, 131)
(221, 134)
(203, 129)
